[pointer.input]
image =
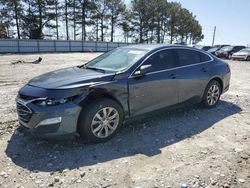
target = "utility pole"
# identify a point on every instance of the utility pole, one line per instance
(214, 35)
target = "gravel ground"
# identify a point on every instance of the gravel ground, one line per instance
(193, 146)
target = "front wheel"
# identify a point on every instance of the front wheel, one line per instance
(248, 58)
(100, 120)
(212, 94)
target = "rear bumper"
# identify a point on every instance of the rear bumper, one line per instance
(49, 122)
(226, 82)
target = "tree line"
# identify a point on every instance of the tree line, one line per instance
(141, 21)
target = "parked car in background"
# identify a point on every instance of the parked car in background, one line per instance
(221, 45)
(205, 48)
(227, 51)
(94, 99)
(216, 48)
(243, 54)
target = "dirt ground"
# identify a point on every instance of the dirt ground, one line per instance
(194, 146)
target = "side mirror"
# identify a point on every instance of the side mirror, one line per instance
(142, 70)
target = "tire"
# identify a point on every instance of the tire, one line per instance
(93, 125)
(212, 94)
(248, 58)
(229, 56)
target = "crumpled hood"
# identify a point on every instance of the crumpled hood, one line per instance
(70, 78)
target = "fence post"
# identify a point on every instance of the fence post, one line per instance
(18, 46)
(55, 45)
(38, 46)
(82, 47)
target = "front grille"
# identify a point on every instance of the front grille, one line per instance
(24, 113)
(26, 97)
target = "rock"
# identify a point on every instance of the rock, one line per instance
(204, 152)
(38, 181)
(241, 180)
(213, 182)
(197, 177)
(244, 156)
(78, 181)
(4, 174)
(238, 150)
(82, 174)
(226, 185)
(56, 179)
(184, 185)
(65, 170)
(51, 185)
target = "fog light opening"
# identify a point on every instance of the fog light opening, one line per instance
(50, 121)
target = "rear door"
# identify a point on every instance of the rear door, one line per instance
(158, 88)
(193, 74)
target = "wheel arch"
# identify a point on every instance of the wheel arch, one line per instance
(218, 79)
(94, 96)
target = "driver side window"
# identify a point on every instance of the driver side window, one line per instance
(161, 61)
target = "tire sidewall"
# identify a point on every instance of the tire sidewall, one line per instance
(205, 102)
(87, 115)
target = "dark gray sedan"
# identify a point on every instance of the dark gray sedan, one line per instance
(94, 99)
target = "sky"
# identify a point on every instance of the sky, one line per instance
(231, 18)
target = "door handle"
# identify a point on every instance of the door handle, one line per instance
(204, 69)
(173, 76)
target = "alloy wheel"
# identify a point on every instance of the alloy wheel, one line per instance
(105, 122)
(213, 94)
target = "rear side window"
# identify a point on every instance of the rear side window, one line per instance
(190, 57)
(204, 57)
(161, 60)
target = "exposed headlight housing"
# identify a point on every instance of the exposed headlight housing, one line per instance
(53, 102)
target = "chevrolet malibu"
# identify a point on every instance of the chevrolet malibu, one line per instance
(94, 99)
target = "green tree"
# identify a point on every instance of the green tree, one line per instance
(116, 10)
(140, 9)
(38, 16)
(126, 25)
(12, 11)
(84, 15)
(3, 33)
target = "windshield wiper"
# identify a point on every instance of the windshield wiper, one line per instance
(94, 68)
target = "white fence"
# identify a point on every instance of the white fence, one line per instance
(42, 46)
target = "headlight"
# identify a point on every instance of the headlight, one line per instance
(53, 102)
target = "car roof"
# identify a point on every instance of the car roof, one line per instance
(151, 47)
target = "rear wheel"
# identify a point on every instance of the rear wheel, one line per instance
(100, 120)
(212, 94)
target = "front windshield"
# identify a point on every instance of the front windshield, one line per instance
(117, 60)
(212, 49)
(226, 48)
(246, 50)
